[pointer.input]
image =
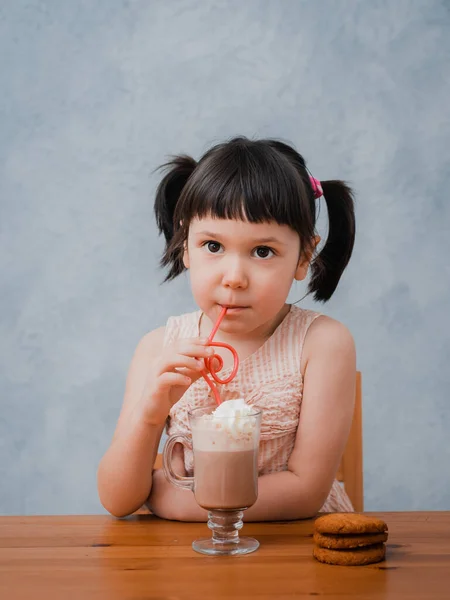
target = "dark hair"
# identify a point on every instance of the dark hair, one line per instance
(259, 181)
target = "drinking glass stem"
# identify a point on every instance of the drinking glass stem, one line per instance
(225, 525)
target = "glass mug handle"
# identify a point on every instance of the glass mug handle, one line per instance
(186, 483)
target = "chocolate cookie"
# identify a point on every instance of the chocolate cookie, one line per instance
(351, 558)
(349, 523)
(333, 541)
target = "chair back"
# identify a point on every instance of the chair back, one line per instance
(350, 471)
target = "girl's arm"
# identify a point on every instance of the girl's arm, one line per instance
(124, 477)
(157, 379)
(329, 368)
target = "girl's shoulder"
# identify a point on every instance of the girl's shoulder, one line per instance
(151, 342)
(178, 326)
(190, 318)
(174, 324)
(318, 324)
(327, 335)
(185, 325)
(302, 316)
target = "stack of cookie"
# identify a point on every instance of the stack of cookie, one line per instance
(349, 539)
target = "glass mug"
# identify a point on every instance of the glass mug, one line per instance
(225, 481)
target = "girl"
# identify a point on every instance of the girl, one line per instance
(242, 221)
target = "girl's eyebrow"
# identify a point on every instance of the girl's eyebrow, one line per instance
(266, 240)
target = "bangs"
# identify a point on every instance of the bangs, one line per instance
(243, 180)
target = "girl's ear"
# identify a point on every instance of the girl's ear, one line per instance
(303, 264)
(186, 256)
(185, 252)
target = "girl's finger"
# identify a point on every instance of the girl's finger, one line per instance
(197, 341)
(168, 380)
(180, 361)
(196, 350)
(192, 375)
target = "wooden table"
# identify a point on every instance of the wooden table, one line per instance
(86, 557)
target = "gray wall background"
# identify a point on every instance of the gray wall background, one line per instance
(96, 94)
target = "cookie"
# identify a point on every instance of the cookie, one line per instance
(349, 523)
(351, 558)
(334, 541)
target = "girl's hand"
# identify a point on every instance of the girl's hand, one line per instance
(179, 365)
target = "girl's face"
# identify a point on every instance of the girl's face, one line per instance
(248, 267)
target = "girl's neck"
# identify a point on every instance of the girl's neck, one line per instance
(256, 336)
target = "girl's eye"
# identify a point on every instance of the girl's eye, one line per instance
(213, 247)
(264, 252)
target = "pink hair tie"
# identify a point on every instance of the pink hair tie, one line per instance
(316, 186)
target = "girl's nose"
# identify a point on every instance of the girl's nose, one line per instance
(234, 275)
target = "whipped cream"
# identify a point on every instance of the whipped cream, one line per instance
(232, 409)
(229, 427)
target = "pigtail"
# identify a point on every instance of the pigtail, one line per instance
(329, 265)
(179, 169)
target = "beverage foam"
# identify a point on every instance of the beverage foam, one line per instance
(231, 427)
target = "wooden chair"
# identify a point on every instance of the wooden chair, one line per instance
(350, 472)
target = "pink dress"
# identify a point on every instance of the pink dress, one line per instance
(269, 379)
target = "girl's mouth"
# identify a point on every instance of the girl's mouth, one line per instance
(232, 309)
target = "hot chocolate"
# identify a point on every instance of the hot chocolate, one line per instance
(226, 457)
